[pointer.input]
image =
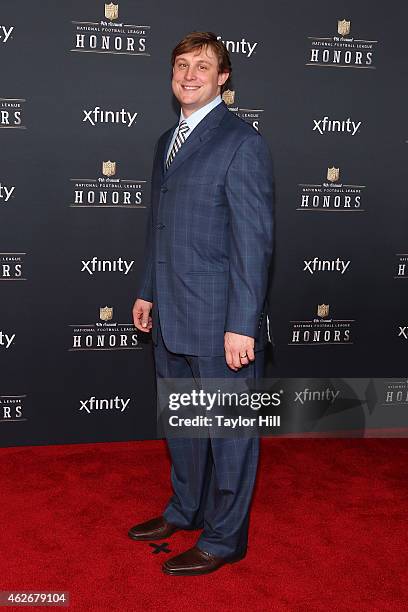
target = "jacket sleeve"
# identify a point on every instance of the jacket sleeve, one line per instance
(145, 286)
(249, 191)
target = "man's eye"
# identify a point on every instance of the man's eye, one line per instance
(203, 67)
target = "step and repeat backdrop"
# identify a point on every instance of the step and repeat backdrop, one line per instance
(85, 93)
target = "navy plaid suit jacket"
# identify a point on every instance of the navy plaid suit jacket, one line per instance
(210, 236)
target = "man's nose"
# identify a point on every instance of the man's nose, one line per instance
(190, 74)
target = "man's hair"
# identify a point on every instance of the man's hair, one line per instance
(198, 40)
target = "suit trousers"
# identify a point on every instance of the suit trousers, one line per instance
(212, 478)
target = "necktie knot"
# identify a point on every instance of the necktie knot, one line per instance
(183, 127)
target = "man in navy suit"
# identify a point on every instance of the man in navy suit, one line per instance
(202, 294)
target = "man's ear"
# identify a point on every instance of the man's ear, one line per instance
(223, 77)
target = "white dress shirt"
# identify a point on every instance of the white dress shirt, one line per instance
(194, 119)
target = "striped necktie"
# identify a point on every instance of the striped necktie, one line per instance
(179, 140)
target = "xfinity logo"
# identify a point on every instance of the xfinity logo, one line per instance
(5, 33)
(325, 265)
(239, 46)
(106, 265)
(5, 193)
(403, 331)
(97, 115)
(309, 395)
(6, 340)
(115, 403)
(333, 125)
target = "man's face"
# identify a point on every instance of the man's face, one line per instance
(196, 80)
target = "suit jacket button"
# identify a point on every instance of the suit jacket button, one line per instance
(164, 189)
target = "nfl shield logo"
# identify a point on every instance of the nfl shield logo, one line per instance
(333, 174)
(228, 96)
(111, 11)
(106, 313)
(109, 168)
(322, 310)
(343, 27)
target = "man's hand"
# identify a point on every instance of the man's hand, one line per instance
(141, 315)
(239, 350)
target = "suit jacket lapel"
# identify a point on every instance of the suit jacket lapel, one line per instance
(199, 135)
(166, 147)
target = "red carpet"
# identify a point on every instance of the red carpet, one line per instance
(328, 529)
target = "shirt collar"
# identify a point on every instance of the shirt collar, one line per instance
(194, 119)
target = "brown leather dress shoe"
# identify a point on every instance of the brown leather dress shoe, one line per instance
(155, 529)
(194, 562)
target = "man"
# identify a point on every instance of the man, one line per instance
(202, 294)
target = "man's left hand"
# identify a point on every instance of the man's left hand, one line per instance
(239, 350)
